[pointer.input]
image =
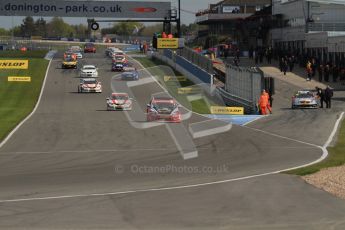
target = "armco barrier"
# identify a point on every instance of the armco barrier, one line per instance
(245, 83)
(194, 70)
(168, 53)
(233, 100)
(196, 58)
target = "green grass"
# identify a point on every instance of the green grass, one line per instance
(17, 99)
(200, 106)
(149, 63)
(335, 158)
(160, 69)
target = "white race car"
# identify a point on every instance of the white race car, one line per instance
(119, 101)
(89, 85)
(75, 49)
(304, 99)
(88, 71)
(78, 54)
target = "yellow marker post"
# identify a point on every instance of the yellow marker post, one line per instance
(227, 110)
(174, 78)
(18, 79)
(188, 90)
(14, 64)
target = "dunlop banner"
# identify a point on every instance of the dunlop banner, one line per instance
(227, 110)
(14, 64)
(19, 79)
(167, 43)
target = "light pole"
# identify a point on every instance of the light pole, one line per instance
(12, 35)
(179, 19)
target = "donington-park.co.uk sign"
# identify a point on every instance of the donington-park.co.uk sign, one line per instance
(113, 9)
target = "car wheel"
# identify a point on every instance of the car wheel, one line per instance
(79, 90)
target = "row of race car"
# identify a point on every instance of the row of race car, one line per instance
(159, 108)
(71, 56)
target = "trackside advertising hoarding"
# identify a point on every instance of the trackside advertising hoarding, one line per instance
(104, 9)
(14, 64)
(227, 110)
(18, 79)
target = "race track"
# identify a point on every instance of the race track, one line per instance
(75, 165)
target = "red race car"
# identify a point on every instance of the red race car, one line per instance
(89, 48)
(120, 58)
(163, 108)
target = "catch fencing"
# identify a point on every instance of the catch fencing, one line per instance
(200, 73)
(243, 86)
(196, 58)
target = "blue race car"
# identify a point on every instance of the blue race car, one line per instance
(130, 76)
(117, 66)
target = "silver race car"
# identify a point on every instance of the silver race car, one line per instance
(304, 99)
(119, 101)
(88, 71)
(89, 85)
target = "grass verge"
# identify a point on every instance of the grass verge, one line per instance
(158, 69)
(335, 158)
(17, 99)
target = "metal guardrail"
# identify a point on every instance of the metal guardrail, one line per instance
(244, 84)
(201, 74)
(233, 100)
(198, 72)
(196, 58)
(326, 26)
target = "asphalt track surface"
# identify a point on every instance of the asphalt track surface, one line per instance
(74, 165)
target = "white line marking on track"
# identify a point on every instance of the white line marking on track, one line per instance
(324, 155)
(252, 121)
(131, 150)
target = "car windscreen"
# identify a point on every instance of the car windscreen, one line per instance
(304, 95)
(164, 105)
(89, 82)
(128, 74)
(119, 97)
(89, 68)
(69, 59)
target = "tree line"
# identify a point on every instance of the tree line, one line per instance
(57, 28)
(137, 28)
